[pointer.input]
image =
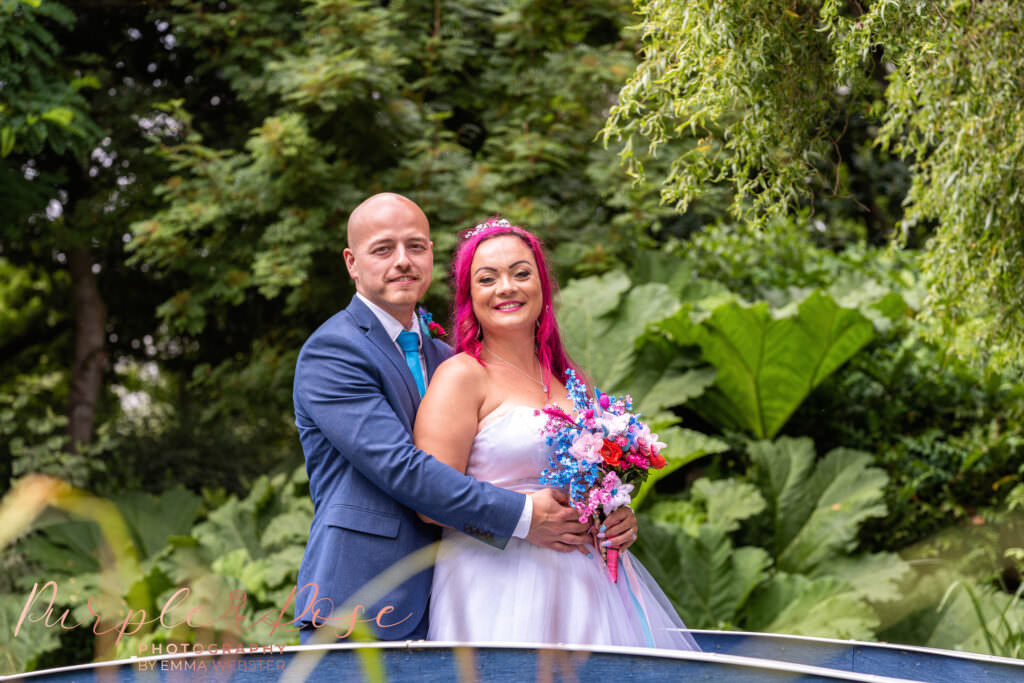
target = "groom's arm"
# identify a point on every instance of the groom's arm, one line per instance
(337, 389)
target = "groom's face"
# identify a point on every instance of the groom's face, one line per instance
(390, 255)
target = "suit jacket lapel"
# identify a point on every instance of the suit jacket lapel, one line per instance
(376, 334)
(431, 355)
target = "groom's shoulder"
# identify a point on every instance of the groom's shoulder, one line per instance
(339, 324)
(341, 328)
(441, 347)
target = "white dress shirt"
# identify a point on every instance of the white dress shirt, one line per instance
(393, 327)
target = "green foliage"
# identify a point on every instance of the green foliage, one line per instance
(802, 573)
(42, 107)
(948, 435)
(744, 77)
(254, 545)
(601, 317)
(999, 620)
(947, 610)
(765, 93)
(682, 446)
(262, 124)
(20, 653)
(707, 579)
(767, 364)
(791, 255)
(815, 508)
(410, 86)
(37, 107)
(823, 607)
(690, 553)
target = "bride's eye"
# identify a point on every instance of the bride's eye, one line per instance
(523, 274)
(486, 280)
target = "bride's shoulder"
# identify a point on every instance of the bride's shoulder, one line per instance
(460, 383)
(461, 368)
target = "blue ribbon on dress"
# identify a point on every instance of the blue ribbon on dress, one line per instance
(629, 573)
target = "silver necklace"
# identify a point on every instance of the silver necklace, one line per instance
(516, 368)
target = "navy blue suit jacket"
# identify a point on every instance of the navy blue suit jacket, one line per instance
(355, 402)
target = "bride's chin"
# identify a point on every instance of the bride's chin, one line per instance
(507, 331)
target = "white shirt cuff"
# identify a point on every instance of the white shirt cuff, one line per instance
(525, 518)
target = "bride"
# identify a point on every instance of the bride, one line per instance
(479, 416)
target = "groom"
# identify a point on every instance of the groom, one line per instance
(358, 383)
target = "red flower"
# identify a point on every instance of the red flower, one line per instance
(435, 329)
(612, 453)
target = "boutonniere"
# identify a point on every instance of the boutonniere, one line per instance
(427, 324)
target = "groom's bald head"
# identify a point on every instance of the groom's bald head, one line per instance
(380, 209)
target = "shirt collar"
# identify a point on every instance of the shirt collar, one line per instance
(390, 323)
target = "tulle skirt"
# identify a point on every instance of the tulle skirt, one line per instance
(529, 594)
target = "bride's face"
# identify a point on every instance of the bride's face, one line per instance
(505, 285)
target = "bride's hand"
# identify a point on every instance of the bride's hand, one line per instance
(619, 529)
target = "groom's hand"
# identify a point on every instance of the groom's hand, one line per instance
(555, 525)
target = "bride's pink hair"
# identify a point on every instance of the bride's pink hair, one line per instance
(548, 341)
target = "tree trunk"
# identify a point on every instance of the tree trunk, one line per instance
(90, 347)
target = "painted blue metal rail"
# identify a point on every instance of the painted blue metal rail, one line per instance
(900, 661)
(728, 658)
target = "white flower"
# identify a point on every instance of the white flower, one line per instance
(619, 498)
(615, 424)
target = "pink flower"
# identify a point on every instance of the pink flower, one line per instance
(638, 460)
(587, 447)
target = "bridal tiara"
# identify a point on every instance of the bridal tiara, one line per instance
(493, 223)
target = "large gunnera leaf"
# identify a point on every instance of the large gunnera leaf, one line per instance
(826, 607)
(706, 579)
(768, 362)
(815, 510)
(876, 577)
(664, 375)
(600, 323)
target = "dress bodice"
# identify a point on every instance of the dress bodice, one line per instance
(509, 450)
(525, 593)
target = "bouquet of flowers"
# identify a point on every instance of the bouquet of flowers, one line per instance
(602, 452)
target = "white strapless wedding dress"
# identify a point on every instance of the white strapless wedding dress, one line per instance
(529, 594)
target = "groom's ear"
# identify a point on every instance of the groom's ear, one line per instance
(350, 264)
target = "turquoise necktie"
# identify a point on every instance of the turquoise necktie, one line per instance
(410, 343)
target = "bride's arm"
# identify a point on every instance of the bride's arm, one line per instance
(447, 419)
